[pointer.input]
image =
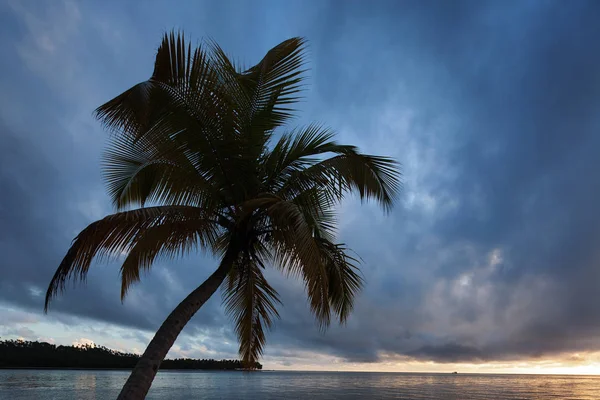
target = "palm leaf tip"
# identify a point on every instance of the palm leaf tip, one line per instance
(345, 280)
(62, 275)
(298, 164)
(372, 177)
(251, 302)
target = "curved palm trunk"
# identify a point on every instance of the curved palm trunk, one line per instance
(141, 377)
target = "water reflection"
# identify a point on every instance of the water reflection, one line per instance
(97, 385)
(85, 385)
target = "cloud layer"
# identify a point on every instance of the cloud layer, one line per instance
(491, 253)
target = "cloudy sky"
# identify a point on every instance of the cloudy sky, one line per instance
(489, 262)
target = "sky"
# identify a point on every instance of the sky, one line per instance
(490, 261)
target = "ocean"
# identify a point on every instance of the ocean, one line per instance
(96, 385)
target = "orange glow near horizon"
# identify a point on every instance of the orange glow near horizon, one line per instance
(567, 364)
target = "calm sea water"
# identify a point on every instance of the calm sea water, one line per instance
(88, 385)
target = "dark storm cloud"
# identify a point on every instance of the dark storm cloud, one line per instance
(491, 106)
(49, 176)
(523, 84)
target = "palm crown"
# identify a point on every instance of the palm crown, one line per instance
(200, 148)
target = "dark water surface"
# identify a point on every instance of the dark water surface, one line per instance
(96, 385)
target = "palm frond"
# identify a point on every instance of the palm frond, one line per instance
(261, 96)
(229, 79)
(181, 79)
(251, 302)
(119, 233)
(296, 251)
(170, 239)
(136, 173)
(274, 85)
(296, 164)
(317, 209)
(343, 276)
(371, 177)
(296, 150)
(187, 108)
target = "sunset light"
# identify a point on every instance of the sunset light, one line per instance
(300, 199)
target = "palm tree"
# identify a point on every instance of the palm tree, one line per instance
(200, 150)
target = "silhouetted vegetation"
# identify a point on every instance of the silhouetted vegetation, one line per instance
(24, 354)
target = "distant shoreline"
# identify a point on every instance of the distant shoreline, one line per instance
(20, 354)
(128, 369)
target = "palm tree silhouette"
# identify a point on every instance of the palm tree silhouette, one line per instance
(197, 149)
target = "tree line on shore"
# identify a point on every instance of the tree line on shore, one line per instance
(27, 354)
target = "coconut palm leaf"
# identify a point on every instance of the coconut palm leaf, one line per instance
(120, 233)
(185, 111)
(272, 86)
(343, 276)
(251, 302)
(371, 177)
